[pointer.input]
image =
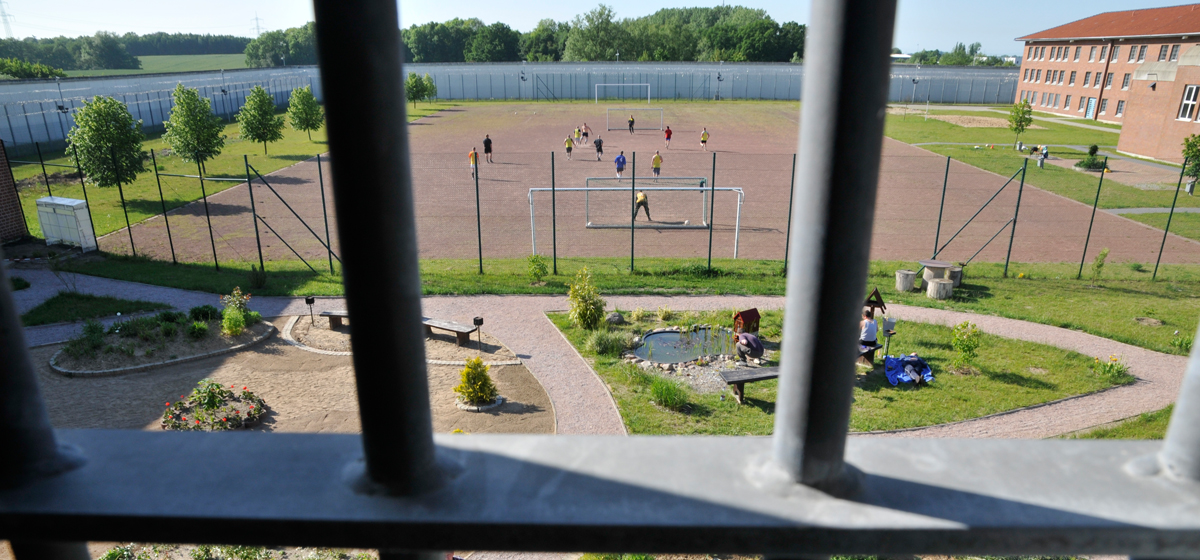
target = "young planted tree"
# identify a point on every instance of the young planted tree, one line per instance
(304, 112)
(1191, 151)
(430, 88)
(1019, 119)
(193, 131)
(257, 121)
(414, 88)
(109, 142)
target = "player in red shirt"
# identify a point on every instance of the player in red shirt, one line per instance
(668, 136)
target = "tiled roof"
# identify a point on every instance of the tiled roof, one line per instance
(1172, 20)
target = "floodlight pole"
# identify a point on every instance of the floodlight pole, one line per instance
(791, 195)
(162, 201)
(45, 177)
(325, 213)
(937, 235)
(1012, 233)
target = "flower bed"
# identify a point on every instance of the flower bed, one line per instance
(213, 408)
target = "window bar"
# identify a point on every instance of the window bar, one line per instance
(840, 144)
(359, 48)
(1180, 455)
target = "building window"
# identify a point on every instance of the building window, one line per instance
(1108, 80)
(1188, 108)
(1103, 51)
(1025, 75)
(1120, 108)
(1174, 53)
(1142, 54)
(1056, 99)
(1092, 55)
(1162, 53)
(1077, 49)
(1125, 82)
(1103, 106)
(1132, 53)
(1087, 77)
(1082, 101)
(1116, 50)
(1054, 77)
(1030, 55)
(1067, 103)
(1038, 77)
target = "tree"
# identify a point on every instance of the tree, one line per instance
(302, 44)
(304, 112)
(23, 70)
(1191, 151)
(193, 131)
(105, 51)
(414, 88)
(430, 88)
(595, 36)
(108, 140)
(441, 42)
(956, 57)
(494, 43)
(1019, 118)
(257, 121)
(546, 42)
(268, 50)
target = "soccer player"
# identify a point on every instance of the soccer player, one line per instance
(487, 148)
(473, 159)
(642, 202)
(704, 139)
(599, 143)
(577, 135)
(620, 161)
(668, 135)
(569, 143)
(656, 165)
(586, 131)
(631, 124)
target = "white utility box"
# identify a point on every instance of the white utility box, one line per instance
(66, 221)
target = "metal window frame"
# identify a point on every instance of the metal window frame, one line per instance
(804, 491)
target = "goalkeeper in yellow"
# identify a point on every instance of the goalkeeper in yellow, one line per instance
(642, 202)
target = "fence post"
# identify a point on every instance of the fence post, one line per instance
(937, 236)
(553, 217)
(253, 210)
(478, 215)
(1088, 239)
(791, 195)
(633, 203)
(121, 191)
(325, 213)
(712, 205)
(161, 201)
(17, 192)
(45, 177)
(1012, 233)
(208, 218)
(1182, 170)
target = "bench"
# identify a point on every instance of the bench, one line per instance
(335, 318)
(738, 378)
(461, 331)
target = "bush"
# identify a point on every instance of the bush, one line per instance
(1112, 370)
(609, 343)
(475, 386)
(253, 317)
(204, 313)
(211, 407)
(236, 299)
(639, 314)
(88, 342)
(966, 341)
(234, 321)
(664, 313)
(1183, 343)
(124, 553)
(171, 317)
(1093, 150)
(18, 283)
(1098, 265)
(168, 330)
(145, 328)
(1091, 163)
(668, 393)
(198, 330)
(257, 277)
(537, 267)
(587, 307)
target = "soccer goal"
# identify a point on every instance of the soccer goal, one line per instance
(643, 119)
(622, 91)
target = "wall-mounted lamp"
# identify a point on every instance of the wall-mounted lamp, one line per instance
(1153, 86)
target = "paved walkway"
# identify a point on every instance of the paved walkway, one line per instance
(583, 404)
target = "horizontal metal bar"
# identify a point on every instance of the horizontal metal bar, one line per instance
(199, 177)
(41, 163)
(650, 494)
(623, 189)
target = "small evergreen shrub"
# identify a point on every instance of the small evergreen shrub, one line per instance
(537, 268)
(168, 330)
(253, 317)
(1091, 163)
(198, 330)
(233, 322)
(204, 313)
(171, 317)
(476, 387)
(1093, 150)
(664, 313)
(587, 307)
(88, 342)
(609, 343)
(668, 393)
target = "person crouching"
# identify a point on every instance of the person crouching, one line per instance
(748, 346)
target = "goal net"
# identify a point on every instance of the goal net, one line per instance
(623, 91)
(643, 119)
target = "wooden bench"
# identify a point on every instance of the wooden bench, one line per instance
(738, 378)
(335, 318)
(461, 331)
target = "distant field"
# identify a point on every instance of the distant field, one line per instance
(174, 63)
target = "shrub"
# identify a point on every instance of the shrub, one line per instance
(234, 321)
(664, 313)
(211, 407)
(236, 299)
(124, 553)
(1137, 267)
(639, 314)
(88, 342)
(253, 317)
(171, 317)
(204, 313)
(145, 328)
(198, 330)
(475, 386)
(668, 393)
(1112, 370)
(587, 307)
(168, 330)
(1091, 163)
(966, 341)
(609, 343)
(1182, 342)
(1093, 150)
(1098, 265)
(18, 283)
(537, 268)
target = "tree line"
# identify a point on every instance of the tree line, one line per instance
(960, 55)
(107, 51)
(722, 33)
(290, 47)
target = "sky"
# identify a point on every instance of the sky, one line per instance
(920, 24)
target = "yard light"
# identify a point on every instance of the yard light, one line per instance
(310, 301)
(479, 323)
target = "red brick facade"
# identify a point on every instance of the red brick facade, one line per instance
(12, 221)
(1160, 118)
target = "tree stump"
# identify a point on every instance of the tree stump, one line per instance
(905, 280)
(955, 275)
(940, 288)
(932, 272)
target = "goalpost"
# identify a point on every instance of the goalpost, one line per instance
(643, 119)
(619, 91)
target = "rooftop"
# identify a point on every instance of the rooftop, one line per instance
(1153, 22)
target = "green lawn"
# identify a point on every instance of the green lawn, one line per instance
(914, 129)
(1009, 374)
(1151, 425)
(69, 306)
(174, 63)
(1183, 223)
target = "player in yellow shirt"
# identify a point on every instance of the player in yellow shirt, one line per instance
(656, 165)
(473, 159)
(578, 135)
(642, 202)
(704, 139)
(569, 143)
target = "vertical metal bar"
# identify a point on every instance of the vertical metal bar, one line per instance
(791, 195)
(17, 192)
(45, 177)
(1167, 229)
(253, 210)
(937, 235)
(553, 216)
(1095, 203)
(121, 190)
(478, 211)
(841, 141)
(359, 48)
(11, 132)
(1012, 233)
(712, 190)
(1180, 455)
(28, 127)
(86, 202)
(325, 213)
(633, 199)
(162, 201)
(208, 218)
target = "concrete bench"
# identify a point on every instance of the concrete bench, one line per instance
(738, 378)
(335, 318)
(461, 332)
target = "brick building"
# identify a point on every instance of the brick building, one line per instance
(12, 220)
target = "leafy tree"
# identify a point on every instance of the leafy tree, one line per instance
(109, 142)
(595, 36)
(193, 131)
(1020, 116)
(105, 51)
(302, 44)
(257, 121)
(791, 40)
(304, 112)
(268, 50)
(494, 43)
(158, 44)
(546, 42)
(956, 57)
(1191, 151)
(414, 88)
(441, 42)
(430, 88)
(925, 57)
(22, 70)
(974, 49)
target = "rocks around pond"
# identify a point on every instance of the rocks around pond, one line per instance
(615, 318)
(701, 378)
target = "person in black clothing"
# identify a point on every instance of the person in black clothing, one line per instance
(599, 147)
(487, 147)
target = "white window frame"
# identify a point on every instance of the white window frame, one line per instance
(1092, 55)
(1104, 106)
(1077, 51)
(1126, 80)
(1142, 53)
(1087, 78)
(1133, 49)
(1082, 103)
(1174, 56)
(1162, 53)
(1116, 49)
(1108, 80)
(1187, 107)
(1120, 108)
(1072, 82)
(1067, 103)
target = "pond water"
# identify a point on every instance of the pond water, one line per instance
(672, 347)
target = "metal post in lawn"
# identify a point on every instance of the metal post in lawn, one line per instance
(253, 212)
(478, 215)
(553, 217)
(86, 202)
(324, 213)
(791, 194)
(163, 202)
(17, 193)
(208, 218)
(45, 177)
(120, 190)
(938, 233)
(633, 200)
(1088, 239)
(1167, 229)
(1012, 233)
(712, 204)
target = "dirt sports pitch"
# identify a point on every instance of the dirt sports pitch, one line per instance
(753, 143)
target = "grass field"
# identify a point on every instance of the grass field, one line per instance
(1182, 223)
(174, 63)
(1151, 425)
(915, 129)
(68, 306)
